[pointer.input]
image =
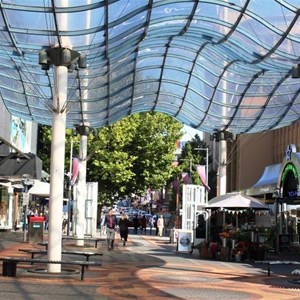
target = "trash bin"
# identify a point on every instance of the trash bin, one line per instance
(36, 230)
(9, 269)
(173, 238)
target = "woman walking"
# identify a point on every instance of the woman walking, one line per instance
(123, 225)
(160, 225)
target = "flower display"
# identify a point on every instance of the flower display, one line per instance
(225, 234)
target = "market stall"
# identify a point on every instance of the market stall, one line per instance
(240, 225)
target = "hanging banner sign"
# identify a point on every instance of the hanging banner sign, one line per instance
(25, 199)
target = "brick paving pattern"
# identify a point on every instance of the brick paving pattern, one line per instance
(148, 267)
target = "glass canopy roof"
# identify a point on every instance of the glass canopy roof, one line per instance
(211, 64)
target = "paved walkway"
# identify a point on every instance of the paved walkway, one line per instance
(148, 267)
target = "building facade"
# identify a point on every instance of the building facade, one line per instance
(18, 161)
(251, 153)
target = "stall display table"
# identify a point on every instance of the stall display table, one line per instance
(257, 251)
(225, 253)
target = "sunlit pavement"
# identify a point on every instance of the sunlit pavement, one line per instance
(148, 267)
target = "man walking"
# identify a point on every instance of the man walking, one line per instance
(111, 223)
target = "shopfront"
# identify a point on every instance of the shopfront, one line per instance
(279, 186)
(288, 179)
(250, 231)
(239, 224)
(11, 208)
(17, 172)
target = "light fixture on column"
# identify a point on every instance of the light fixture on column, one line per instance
(296, 71)
(223, 135)
(61, 57)
(83, 129)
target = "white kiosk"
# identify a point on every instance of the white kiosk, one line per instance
(193, 205)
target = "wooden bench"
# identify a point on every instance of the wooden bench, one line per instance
(85, 239)
(34, 251)
(45, 244)
(277, 262)
(87, 255)
(9, 267)
(74, 238)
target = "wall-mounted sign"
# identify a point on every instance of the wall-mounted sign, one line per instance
(289, 168)
(289, 150)
(290, 181)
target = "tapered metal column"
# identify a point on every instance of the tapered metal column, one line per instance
(84, 131)
(223, 137)
(81, 192)
(222, 166)
(57, 168)
(64, 60)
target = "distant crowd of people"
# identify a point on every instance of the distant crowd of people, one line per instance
(111, 224)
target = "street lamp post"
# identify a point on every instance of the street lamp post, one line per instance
(25, 205)
(151, 202)
(206, 193)
(177, 203)
(206, 150)
(70, 188)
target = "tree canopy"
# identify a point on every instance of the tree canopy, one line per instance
(128, 157)
(193, 154)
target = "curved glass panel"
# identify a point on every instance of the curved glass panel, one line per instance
(213, 65)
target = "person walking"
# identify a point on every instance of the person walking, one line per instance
(155, 224)
(143, 225)
(111, 223)
(160, 225)
(136, 223)
(123, 225)
(151, 224)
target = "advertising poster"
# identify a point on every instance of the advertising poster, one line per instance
(18, 134)
(185, 239)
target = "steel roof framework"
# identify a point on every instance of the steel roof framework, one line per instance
(212, 64)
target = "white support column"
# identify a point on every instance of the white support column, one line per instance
(57, 167)
(84, 131)
(222, 166)
(81, 190)
(10, 207)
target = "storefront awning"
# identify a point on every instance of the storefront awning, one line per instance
(267, 184)
(16, 165)
(40, 189)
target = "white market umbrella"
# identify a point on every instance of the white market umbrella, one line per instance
(236, 201)
(40, 189)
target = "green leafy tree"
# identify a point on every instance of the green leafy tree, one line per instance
(155, 149)
(134, 154)
(44, 146)
(198, 157)
(125, 158)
